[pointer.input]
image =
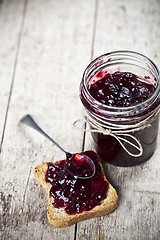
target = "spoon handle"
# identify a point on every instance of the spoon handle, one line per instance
(29, 121)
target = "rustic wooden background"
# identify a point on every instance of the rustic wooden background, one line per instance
(45, 45)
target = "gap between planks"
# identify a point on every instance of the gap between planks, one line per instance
(92, 54)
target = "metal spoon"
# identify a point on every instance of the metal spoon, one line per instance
(28, 120)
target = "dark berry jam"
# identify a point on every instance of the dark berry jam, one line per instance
(120, 92)
(124, 89)
(120, 89)
(73, 194)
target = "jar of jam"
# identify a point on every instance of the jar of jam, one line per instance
(120, 92)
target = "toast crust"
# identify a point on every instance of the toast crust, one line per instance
(59, 218)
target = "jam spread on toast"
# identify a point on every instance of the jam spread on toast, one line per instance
(73, 194)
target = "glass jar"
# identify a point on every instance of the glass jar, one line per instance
(123, 136)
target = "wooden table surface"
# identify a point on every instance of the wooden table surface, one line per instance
(44, 48)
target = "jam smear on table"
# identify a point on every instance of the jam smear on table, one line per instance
(120, 89)
(73, 194)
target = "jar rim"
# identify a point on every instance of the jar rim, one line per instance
(114, 109)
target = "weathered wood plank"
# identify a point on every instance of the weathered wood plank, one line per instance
(55, 47)
(128, 25)
(11, 17)
(9, 11)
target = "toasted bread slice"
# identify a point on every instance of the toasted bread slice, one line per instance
(59, 218)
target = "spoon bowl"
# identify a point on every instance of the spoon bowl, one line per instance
(78, 165)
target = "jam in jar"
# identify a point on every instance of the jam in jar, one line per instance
(120, 92)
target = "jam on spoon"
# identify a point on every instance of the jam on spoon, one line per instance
(77, 165)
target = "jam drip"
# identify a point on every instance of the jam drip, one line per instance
(120, 89)
(72, 194)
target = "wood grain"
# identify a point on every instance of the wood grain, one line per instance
(45, 47)
(129, 25)
(8, 53)
(54, 49)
